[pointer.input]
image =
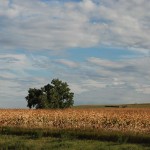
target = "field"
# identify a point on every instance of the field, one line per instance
(121, 125)
(124, 120)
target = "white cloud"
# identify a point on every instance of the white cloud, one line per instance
(87, 6)
(96, 84)
(105, 63)
(78, 88)
(7, 74)
(144, 90)
(68, 63)
(17, 63)
(38, 25)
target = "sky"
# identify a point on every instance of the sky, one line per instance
(101, 48)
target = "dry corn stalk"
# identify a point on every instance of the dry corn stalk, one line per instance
(122, 119)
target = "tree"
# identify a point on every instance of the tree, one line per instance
(54, 95)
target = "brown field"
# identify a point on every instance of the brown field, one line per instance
(135, 120)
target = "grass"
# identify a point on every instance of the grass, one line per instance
(26, 142)
(114, 136)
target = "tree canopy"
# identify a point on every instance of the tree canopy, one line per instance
(54, 95)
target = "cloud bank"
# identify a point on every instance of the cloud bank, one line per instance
(39, 39)
(59, 25)
(94, 81)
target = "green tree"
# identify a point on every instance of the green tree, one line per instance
(54, 95)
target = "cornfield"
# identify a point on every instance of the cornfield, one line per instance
(135, 120)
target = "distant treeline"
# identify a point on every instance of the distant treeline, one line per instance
(117, 106)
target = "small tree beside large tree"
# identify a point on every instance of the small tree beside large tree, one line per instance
(54, 95)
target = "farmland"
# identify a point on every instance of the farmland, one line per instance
(105, 124)
(124, 120)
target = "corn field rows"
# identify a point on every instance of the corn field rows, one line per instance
(112, 119)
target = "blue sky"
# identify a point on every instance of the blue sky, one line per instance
(101, 48)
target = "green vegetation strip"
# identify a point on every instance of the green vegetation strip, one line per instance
(114, 136)
(13, 142)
